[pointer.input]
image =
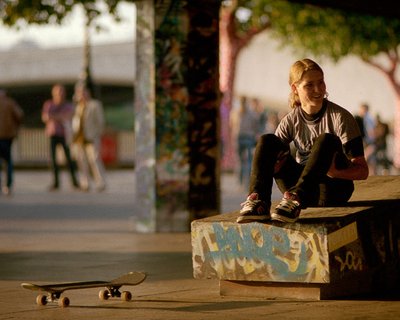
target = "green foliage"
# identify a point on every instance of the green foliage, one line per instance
(251, 15)
(322, 31)
(17, 12)
(332, 33)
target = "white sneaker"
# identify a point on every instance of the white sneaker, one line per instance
(254, 209)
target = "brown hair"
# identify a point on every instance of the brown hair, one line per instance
(296, 74)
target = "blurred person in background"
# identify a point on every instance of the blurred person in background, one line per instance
(87, 126)
(248, 125)
(57, 115)
(381, 134)
(368, 123)
(11, 116)
(261, 112)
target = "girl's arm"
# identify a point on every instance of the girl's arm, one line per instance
(357, 170)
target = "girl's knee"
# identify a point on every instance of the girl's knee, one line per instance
(328, 139)
(269, 139)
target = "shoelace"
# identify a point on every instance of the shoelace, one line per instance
(249, 203)
(289, 204)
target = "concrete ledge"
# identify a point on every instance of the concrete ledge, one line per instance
(329, 252)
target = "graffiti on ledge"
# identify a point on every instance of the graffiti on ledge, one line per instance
(258, 252)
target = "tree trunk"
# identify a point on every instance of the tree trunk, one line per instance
(228, 54)
(231, 45)
(390, 73)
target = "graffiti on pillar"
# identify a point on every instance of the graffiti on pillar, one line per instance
(187, 109)
(172, 165)
(255, 252)
(203, 108)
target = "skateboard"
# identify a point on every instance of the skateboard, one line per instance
(112, 287)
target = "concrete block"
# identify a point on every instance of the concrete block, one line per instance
(329, 252)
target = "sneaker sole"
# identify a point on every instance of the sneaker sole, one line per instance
(242, 219)
(278, 217)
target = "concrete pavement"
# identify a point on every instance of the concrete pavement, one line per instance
(72, 236)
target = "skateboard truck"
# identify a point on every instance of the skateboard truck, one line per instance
(112, 292)
(53, 297)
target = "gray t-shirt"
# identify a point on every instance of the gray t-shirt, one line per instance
(294, 127)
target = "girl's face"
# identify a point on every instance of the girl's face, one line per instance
(311, 90)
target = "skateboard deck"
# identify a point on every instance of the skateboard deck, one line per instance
(54, 290)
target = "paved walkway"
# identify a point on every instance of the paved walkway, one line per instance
(71, 236)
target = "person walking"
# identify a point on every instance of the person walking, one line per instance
(381, 134)
(248, 126)
(57, 114)
(88, 125)
(328, 147)
(369, 125)
(260, 111)
(11, 116)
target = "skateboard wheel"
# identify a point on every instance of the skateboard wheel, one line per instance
(126, 296)
(63, 302)
(41, 300)
(104, 294)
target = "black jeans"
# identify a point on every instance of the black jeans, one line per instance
(310, 182)
(54, 141)
(5, 154)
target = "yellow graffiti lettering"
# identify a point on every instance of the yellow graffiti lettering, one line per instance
(351, 262)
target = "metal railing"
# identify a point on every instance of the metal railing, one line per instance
(31, 148)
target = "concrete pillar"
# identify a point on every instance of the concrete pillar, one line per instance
(177, 114)
(203, 108)
(145, 144)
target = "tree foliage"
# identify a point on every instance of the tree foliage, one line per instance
(249, 15)
(333, 33)
(19, 12)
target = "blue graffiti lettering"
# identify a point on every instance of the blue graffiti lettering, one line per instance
(273, 248)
